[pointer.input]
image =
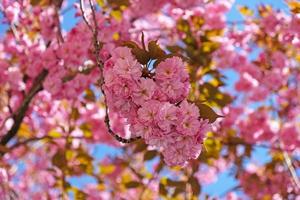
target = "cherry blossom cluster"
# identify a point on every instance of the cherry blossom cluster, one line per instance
(256, 175)
(155, 104)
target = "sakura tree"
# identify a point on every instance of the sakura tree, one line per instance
(150, 80)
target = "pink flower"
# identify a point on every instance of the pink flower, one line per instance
(108, 64)
(123, 88)
(169, 69)
(125, 65)
(157, 138)
(278, 60)
(140, 129)
(149, 104)
(167, 116)
(246, 83)
(174, 90)
(127, 68)
(144, 91)
(207, 175)
(290, 137)
(122, 52)
(188, 126)
(147, 113)
(174, 156)
(188, 109)
(179, 152)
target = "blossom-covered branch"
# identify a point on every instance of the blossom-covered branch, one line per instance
(21, 112)
(97, 47)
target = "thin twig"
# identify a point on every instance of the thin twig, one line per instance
(292, 170)
(233, 188)
(249, 144)
(35, 139)
(59, 29)
(81, 3)
(287, 159)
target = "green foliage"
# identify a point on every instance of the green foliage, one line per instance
(149, 155)
(207, 112)
(132, 184)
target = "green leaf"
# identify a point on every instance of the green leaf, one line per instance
(209, 47)
(79, 195)
(183, 25)
(177, 191)
(294, 6)
(141, 55)
(162, 190)
(35, 2)
(107, 169)
(89, 95)
(116, 14)
(175, 48)
(178, 184)
(59, 160)
(101, 3)
(244, 10)
(212, 145)
(46, 2)
(139, 147)
(116, 4)
(207, 112)
(55, 134)
(75, 113)
(132, 184)
(86, 129)
(155, 51)
(149, 155)
(130, 44)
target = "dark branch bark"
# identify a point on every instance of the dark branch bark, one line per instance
(19, 115)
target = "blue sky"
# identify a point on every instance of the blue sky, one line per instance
(225, 181)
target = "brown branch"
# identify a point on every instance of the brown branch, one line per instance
(29, 140)
(20, 113)
(81, 3)
(241, 142)
(292, 170)
(4, 149)
(252, 144)
(97, 47)
(233, 188)
(60, 37)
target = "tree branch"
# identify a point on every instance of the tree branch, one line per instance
(4, 149)
(81, 3)
(20, 113)
(60, 37)
(292, 170)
